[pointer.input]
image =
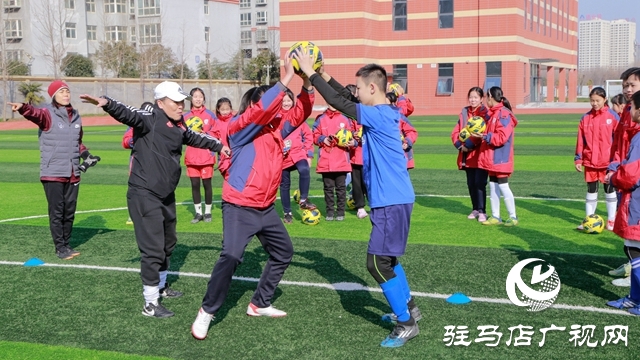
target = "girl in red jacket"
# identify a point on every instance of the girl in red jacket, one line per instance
(333, 161)
(618, 104)
(297, 151)
(407, 131)
(468, 154)
(200, 162)
(496, 155)
(593, 149)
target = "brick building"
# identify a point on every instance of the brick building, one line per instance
(438, 49)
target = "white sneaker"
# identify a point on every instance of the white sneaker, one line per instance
(362, 213)
(623, 282)
(200, 326)
(270, 311)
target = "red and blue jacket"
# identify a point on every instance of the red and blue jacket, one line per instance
(496, 148)
(200, 157)
(127, 139)
(468, 159)
(300, 141)
(332, 158)
(254, 172)
(356, 151)
(404, 105)
(410, 135)
(620, 145)
(626, 179)
(595, 138)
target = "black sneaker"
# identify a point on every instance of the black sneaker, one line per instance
(156, 310)
(401, 333)
(207, 217)
(168, 292)
(64, 253)
(74, 253)
(288, 218)
(307, 205)
(197, 219)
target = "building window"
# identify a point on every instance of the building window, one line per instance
(445, 79)
(206, 7)
(207, 35)
(261, 2)
(92, 32)
(245, 4)
(115, 33)
(261, 35)
(245, 19)
(90, 6)
(150, 34)
(400, 76)
(70, 4)
(132, 34)
(399, 15)
(248, 53)
(148, 7)
(445, 14)
(70, 30)
(115, 6)
(261, 17)
(12, 3)
(14, 55)
(13, 29)
(245, 37)
(494, 75)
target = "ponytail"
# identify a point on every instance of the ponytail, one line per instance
(506, 103)
(496, 94)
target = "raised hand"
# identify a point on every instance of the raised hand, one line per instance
(15, 106)
(97, 101)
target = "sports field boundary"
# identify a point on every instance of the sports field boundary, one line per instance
(341, 286)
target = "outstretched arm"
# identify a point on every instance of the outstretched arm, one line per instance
(128, 115)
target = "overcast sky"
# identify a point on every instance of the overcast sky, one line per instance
(611, 10)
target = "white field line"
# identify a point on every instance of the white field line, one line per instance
(344, 286)
(311, 196)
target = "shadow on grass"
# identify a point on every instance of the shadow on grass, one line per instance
(452, 206)
(85, 230)
(354, 302)
(552, 209)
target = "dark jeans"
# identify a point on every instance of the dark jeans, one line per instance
(358, 188)
(477, 184)
(239, 225)
(154, 223)
(62, 198)
(303, 183)
(335, 181)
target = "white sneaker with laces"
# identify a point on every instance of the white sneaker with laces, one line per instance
(269, 311)
(200, 326)
(622, 282)
(362, 213)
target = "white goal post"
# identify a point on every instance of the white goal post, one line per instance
(613, 88)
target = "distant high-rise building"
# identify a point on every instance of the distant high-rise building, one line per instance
(259, 26)
(603, 43)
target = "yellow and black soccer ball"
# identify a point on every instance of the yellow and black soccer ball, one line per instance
(296, 196)
(343, 136)
(464, 135)
(476, 125)
(194, 123)
(593, 224)
(311, 217)
(312, 49)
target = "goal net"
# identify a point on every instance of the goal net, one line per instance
(613, 88)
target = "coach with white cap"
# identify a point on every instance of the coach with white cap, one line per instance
(154, 175)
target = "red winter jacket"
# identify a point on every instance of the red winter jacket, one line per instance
(127, 139)
(410, 135)
(219, 131)
(295, 142)
(595, 137)
(356, 152)
(468, 159)
(199, 157)
(332, 158)
(496, 148)
(620, 145)
(253, 175)
(627, 180)
(405, 105)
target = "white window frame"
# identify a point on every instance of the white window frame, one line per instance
(207, 34)
(245, 37)
(70, 4)
(245, 19)
(245, 4)
(90, 6)
(92, 32)
(261, 35)
(261, 2)
(12, 3)
(445, 81)
(150, 34)
(13, 29)
(206, 7)
(148, 7)
(115, 33)
(261, 17)
(132, 34)
(115, 6)
(70, 30)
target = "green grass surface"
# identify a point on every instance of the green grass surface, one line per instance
(53, 312)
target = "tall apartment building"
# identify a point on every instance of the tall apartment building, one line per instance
(192, 29)
(605, 43)
(439, 49)
(259, 26)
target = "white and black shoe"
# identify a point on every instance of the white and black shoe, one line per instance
(156, 310)
(168, 292)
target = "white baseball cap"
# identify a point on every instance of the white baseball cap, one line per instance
(170, 90)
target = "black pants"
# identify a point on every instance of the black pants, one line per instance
(477, 184)
(239, 225)
(304, 182)
(359, 190)
(62, 198)
(154, 223)
(335, 181)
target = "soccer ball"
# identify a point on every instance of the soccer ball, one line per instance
(311, 217)
(351, 203)
(194, 124)
(476, 125)
(296, 196)
(312, 49)
(343, 136)
(464, 135)
(359, 133)
(593, 224)
(396, 89)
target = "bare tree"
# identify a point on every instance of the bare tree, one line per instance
(155, 61)
(50, 20)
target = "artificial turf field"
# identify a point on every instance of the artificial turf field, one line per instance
(80, 312)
